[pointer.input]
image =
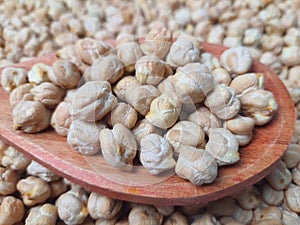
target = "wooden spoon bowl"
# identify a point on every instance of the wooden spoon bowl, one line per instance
(257, 159)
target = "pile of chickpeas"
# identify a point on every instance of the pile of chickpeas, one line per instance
(269, 29)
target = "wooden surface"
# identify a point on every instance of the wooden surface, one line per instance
(257, 159)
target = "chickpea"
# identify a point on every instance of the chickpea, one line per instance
(156, 154)
(176, 218)
(248, 198)
(36, 169)
(122, 113)
(221, 76)
(182, 52)
(13, 77)
(48, 94)
(12, 210)
(164, 110)
(149, 69)
(21, 93)
(271, 196)
(280, 178)
(236, 60)
(223, 146)
(41, 215)
(144, 127)
(31, 116)
(102, 207)
(61, 119)
(72, 207)
(108, 68)
(39, 73)
(34, 190)
(92, 106)
(80, 139)
(120, 88)
(118, 146)
(206, 218)
(58, 187)
(196, 165)
(246, 83)
(291, 155)
(15, 160)
(144, 214)
(65, 74)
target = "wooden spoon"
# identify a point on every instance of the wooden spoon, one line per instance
(257, 159)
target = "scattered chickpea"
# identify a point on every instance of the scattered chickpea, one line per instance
(12, 210)
(15, 160)
(41, 215)
(13, 77)
(34, 190)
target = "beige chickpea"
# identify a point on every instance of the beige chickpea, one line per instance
(164, 110)
(236, 60)
(293, 75)
(176, 218)
(8, 181)
(246, 83)
(206, 218)
(241, 127)
(120, 88)
(252, 36)
(210, 61)
(48, 94)
(122, 113)
(39, 73)
(61, 118)
(223, 102)
(296, 174)
(21, 93)
(93, 100)
(100, 206)
(221, 76)
(156, 154)
(196, 165)
(58, 187)
(223, 146)
(41, 215)
(243, 215)
(248, 198)
(118, 146)
(193, 82)
(14, 159)
(12, 210)
(268, 215)
(290, 55)
(144, 127)
(259, 105)
(36, 169)
(68, 53)
(157, 43)
(166, 85)
(270, 195)
(273, 43)
(30, 116)
(3, 147)
(108, 68)
(72, 207)
(144, 214)
(291, 156)
(185, 133)
(289, 217)
(205, 118)
(296, 134)
(165, 210)
(34, 190)
(89, 49)
(141, 96)
(232, 42)
(182, 52)
(80, 139)
(149, 69)
(129, 51)
(292, 197)
(13, 77)
(272, 61)
(65, 74)
(280, 178)
(216, 34)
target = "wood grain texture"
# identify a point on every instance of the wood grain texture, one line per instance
(257, 159)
